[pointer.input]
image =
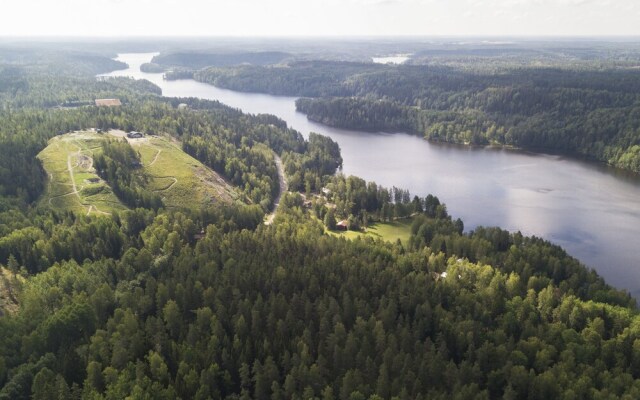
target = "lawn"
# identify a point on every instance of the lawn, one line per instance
(388, 231)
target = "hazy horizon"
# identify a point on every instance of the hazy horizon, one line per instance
(329, 18)
(586, 38)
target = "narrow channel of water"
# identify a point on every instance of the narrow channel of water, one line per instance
(591, 210)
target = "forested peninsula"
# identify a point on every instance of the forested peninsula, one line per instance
(590, 113)
(205, 301)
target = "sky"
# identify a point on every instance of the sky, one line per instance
(252, 18)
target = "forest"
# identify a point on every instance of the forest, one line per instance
(199, 60)
(211, 303)
(117, 164)
(588, 112)
(288, 312)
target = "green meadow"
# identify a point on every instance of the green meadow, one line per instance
(387, 231)
(74, 185)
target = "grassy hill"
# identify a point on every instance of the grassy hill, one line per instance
(178, 178)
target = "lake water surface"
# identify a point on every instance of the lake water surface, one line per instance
(589, 209)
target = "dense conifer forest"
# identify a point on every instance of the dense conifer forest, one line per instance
(592, 112)
(212, 303)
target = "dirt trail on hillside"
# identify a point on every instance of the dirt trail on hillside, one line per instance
(73, 182)
(283, 188)
(155, 158)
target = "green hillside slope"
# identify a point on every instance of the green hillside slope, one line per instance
(74, 185)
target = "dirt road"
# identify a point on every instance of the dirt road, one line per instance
(283, 188)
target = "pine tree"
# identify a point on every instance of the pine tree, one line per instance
(330, 219)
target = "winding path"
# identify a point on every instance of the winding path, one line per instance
(283, 188)
(175, 180)
(155, 158)
(73, 183)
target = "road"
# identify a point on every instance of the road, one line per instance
(283, 188)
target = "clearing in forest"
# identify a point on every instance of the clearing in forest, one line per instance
(387, 231)
(181, 180)
(10, 284)
(178, 178)
(73, 183)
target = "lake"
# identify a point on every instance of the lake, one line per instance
(589, 209)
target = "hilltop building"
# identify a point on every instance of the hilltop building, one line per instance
(134, 135)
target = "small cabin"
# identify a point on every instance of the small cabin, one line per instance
(342, 225)
(134, 135)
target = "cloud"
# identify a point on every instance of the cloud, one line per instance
(537, 3)
(378, 2)
(394, 2)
